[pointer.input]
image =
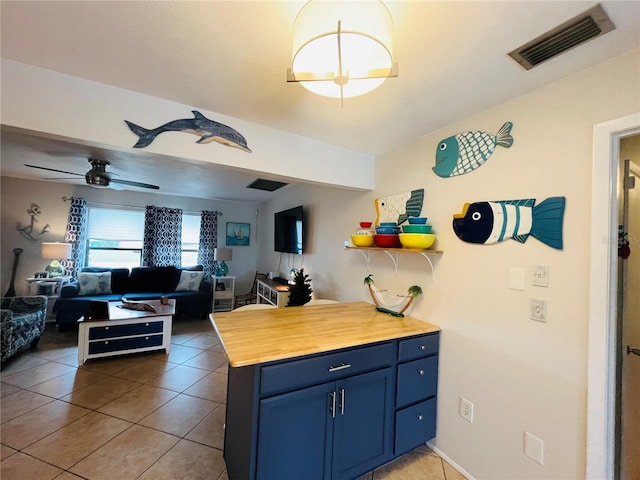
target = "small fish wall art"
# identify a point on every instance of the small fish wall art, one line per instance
(493, 222)
(208, 130)
(398, 208)
(466, 151)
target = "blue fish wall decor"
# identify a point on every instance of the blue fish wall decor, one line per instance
(208, 130)
(493, 222)
(398, 208)
(465, 152)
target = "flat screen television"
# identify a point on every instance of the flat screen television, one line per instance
(288, 230)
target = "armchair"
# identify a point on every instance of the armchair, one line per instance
(22, 322)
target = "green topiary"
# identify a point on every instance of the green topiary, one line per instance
(300, 291)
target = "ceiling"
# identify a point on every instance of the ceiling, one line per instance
(231, 57)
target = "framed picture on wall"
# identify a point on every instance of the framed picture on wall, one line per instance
(238, 233)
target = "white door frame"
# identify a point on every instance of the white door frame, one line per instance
(602, 294)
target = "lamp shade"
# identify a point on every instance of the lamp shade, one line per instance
(342, 48)
(222, 254)
(55, 250)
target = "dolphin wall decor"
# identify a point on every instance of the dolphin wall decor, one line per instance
(208, 130)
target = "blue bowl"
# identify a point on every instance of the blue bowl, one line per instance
(417, 220)
(388, 224)
(388, 230)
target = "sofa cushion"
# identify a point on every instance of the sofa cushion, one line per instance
(119, 277)
(189, 281)
(153, 279)
(98, 283)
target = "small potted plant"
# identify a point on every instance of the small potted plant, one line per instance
(300, 291)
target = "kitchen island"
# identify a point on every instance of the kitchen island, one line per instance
(325, 392)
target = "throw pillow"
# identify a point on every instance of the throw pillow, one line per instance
(94, 283)
(189, 281)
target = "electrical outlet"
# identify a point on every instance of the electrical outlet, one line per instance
(540, 276)
(538, 310)
(466, 409)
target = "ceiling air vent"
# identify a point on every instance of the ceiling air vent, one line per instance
(267, 185)
(586, 26)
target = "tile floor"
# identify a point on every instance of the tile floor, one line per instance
(145, 416)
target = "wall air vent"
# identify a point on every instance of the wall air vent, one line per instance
(586, 26)
(267, 185)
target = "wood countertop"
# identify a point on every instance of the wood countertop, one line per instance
(251, 337)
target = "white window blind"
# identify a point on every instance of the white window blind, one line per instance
(112, 224)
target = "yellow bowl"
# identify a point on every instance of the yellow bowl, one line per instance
(417, 240)
(362, 240)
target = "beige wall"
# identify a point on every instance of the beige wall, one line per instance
(16, 196)
(520, 374)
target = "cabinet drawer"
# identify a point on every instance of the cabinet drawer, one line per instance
(417, 380)
(415, 425)
(312, 371)
(104, 346)
(418, 347)
(112, 331)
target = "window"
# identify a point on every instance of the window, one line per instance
(115, 238)
(190, 239)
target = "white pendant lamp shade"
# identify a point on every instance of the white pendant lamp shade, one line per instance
(342, 49)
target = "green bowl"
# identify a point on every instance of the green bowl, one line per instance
(416, 228)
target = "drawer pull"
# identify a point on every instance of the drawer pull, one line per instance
(422, 347)
(146, 324)
(342, 401)
(339, 367)
(420, 371)
(106, 342)
(106, 328)
(419, 416)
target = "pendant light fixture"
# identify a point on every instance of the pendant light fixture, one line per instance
(342, 49)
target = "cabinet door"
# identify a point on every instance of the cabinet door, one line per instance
(294, 431)
(362, 438)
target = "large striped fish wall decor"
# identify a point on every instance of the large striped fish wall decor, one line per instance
(208, 130)
(465, 152)
(398, 208)
(493, 222)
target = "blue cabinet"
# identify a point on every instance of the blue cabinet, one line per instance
(331, 416)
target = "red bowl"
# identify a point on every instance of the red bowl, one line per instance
(387, 241)
(366, 224)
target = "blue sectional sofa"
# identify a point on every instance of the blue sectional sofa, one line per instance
(189, 286)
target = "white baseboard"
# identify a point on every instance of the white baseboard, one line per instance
(451, 462)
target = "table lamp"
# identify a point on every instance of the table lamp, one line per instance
(220, 255)
(55, 251)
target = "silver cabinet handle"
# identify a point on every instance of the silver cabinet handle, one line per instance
(420, 371)
(422, 347)
(342, 401)
(332, 408)
(419, 416)
(339, 367)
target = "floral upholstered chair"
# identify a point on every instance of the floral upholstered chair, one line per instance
(23, 321)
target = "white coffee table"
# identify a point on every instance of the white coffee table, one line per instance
(126, 331)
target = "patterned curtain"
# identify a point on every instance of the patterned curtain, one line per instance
(162, 244)
(76, 235)
(208, 240)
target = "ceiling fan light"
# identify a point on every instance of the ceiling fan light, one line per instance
(345, 47)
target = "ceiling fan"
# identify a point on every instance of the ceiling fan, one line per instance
(99, 177)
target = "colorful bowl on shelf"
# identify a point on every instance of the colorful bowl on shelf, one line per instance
(366, 224)
(362, 240)
(388, 224)
(364, 231)
(388, 230)
(387, 241)
(417, 240)
(417, 220)
(416, 228)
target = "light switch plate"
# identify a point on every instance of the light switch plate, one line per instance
(538, 310)
(516, 278)
(534, 448)
(540, 276)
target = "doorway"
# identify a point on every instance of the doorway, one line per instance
(601, 361)
(627, 424)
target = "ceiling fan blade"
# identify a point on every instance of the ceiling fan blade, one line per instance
(135, 184)
(115, 186)
(53, 170)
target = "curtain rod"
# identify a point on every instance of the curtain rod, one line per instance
(131, 207)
